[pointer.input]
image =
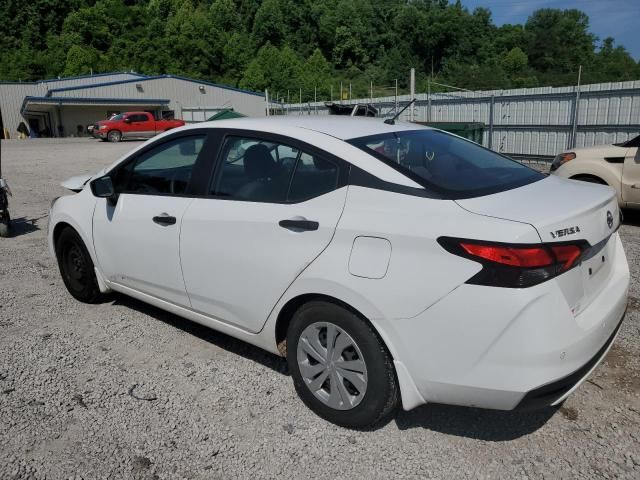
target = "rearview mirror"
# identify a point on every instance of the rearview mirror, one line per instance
(127, 120)
(103, 188)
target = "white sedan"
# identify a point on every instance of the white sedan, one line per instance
(389, 263)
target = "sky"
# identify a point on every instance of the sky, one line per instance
(619, 19)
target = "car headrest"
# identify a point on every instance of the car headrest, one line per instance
(258, 162)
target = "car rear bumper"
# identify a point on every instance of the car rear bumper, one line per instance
(554, 392)
(507, 348)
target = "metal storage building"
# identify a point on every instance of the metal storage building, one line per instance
(65, 106)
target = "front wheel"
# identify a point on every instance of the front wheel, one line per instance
(114, 136)
(340, 367)
(76, 267)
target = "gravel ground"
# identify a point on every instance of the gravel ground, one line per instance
(123, 390)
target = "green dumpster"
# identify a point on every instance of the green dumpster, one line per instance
(225, 114)
(472, 131)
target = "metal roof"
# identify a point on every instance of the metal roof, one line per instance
(77, 77)
(156, 77)
(91, 101)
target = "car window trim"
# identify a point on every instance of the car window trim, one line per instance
(202, 158)
(343, 165)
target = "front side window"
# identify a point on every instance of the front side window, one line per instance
(447, 164)
(138, 117)
(265, 171)
(165, 169)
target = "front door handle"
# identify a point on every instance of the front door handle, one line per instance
(301, 225)
(164, 219)
(636, 185)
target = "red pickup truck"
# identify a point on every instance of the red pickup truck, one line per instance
(132, 125)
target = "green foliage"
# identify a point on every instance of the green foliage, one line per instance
(313, 45)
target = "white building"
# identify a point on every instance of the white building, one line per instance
(65, 106)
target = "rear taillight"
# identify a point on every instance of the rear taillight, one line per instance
(516, 265)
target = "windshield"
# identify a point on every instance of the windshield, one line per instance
(634, 142)
(447, 164)
(120, 116)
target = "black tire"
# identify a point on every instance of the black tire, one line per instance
(76, 267)
(114, 136)
(5, 226)
(381, 397)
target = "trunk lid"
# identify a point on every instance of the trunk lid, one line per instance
(559, 209)
(563, 210)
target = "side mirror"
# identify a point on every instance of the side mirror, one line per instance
(103, 188)
(127, 120)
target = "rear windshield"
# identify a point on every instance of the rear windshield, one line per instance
(446, 164)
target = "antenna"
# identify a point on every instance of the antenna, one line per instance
(392, 121)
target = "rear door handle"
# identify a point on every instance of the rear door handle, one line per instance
(299, 225)
(636, 185)
(164, 219)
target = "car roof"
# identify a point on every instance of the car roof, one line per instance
(341, 127)
(327, 132)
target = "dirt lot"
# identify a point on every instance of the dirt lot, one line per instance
(123, 390)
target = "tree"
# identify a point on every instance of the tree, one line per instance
(289, 44)
(559, 41)
(81, 60)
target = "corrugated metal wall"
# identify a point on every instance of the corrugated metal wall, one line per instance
(529, 122)
(12, 94)
(180, 92)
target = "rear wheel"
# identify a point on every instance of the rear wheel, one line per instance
(5, 225)
(76, 267)
(114, 136)
(340, 367)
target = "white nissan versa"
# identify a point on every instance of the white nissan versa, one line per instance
(388, 262)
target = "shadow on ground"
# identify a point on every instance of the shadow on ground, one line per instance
(488, 425)
(476, 423)
(219, 339)
(22, 226)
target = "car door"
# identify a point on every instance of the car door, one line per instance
(136, 239)
(631, 177)
(140, 126)
(273, 208)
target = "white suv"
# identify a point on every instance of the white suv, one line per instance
(616, 165)
(388, 262)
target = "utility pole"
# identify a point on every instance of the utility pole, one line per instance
(413, 94)
(371, 92)
(315, 99)
(340, 91)
(574, 126)
(429, 99)
(266, 99)
(331, 93)
(396, 109)
(349, 91)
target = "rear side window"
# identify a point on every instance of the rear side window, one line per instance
(446, 164)
(258, 170)
(165, 169)
(314, 176)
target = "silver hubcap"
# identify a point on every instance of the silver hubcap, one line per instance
(332, 365)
